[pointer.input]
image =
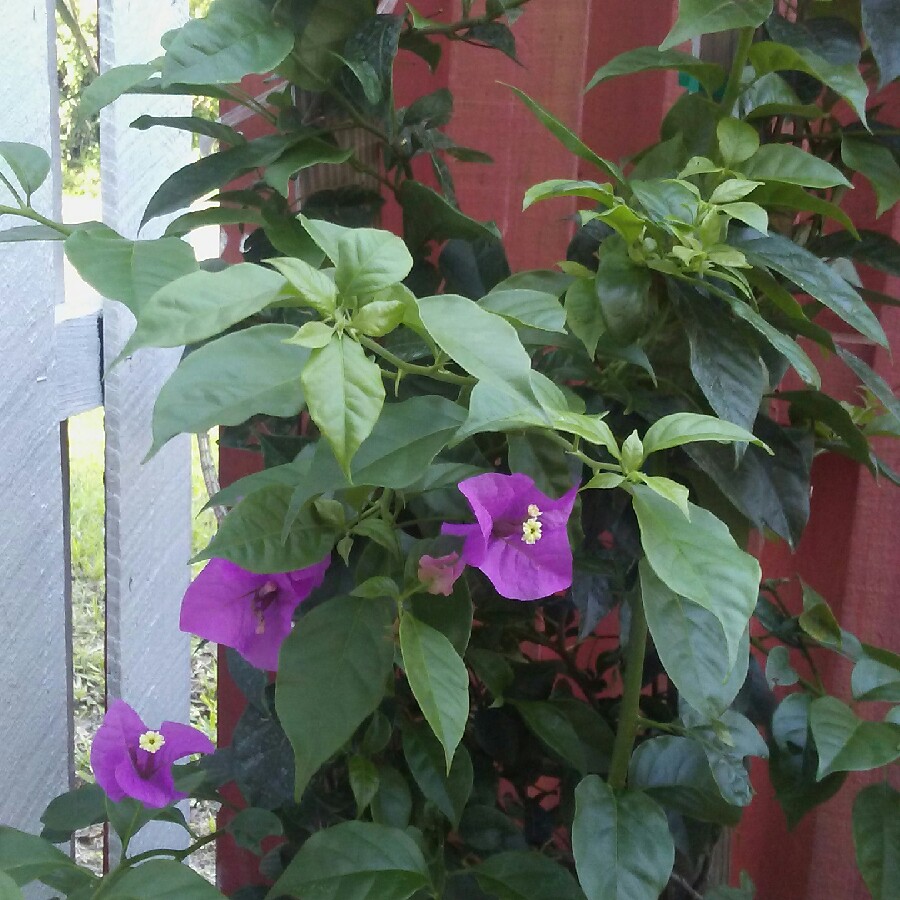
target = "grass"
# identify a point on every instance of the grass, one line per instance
(88, 601)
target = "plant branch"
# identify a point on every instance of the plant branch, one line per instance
(450, 29)
(631, 697)
(12, 190)
(71, 22)
(28, 213)
(411, 369)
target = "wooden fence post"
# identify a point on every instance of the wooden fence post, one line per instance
(148, 528)
(35, 754)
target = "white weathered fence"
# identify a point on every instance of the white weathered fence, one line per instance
(51, 371)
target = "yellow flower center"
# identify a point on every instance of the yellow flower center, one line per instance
(531, 531)
(151, 741)
(533, 511)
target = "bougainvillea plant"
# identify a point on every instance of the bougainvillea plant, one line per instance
(469, 470)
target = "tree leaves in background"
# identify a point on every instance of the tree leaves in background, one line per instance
(876, 836)
(621, 843)
(332, 673)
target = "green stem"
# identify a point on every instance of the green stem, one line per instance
(244, 99)
(631, 697)
(28, 213)
(733, 87)
(411, 369)
(12, 190)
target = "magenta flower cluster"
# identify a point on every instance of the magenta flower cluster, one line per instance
(519, 541)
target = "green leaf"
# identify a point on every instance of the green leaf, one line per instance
(427, 216)
(696, 17)
(870, 248)
(876, 837)
(483, 343)
(847, 743)
(251, 534)
(29, 164)
(554, 729)
(583, 315)
(724, 360)
(214, 215)
(23, 233)
(72, 811)
(513, 299)
(675, 772)
(689, 641)
(779, 195)
(702, 563)
(568, 138)
(873, 680)
(451, 616)
(814, 277)
(770, 96)
(165, 879)
(877, 163)
(251, 826)
(9, 890)
(738, 141)
(314, 287)
(525, 875)
(363, 782)
(785, 345)
(392, 804)
(322, 28)
(236, 38)
(198, 178)
(873, 381)
(218, 131)
(621, 843)
(129, 816)
(879, 19)
(312, 335)
(128, 271)
(686, 428)
(843, 79)
(622, 290)
(566, 187)
(425, 758)
(671, 490)
(344, 394)
(26, 858)
(203, 304)
(355, 860)
(332, 674)
(645, 59)
(366, 259)
(110, 85)
(791, 165)
(230, 379)
(815, 407)
(380, 317)
(779, 671)
(312, 152)
(438, 679)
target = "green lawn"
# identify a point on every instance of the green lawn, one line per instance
(86, 517)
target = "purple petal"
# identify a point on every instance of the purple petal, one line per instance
(521, 571)
(475, 542)
(494, 496)
(156, 790)
(305, 581)
(120, 730)
(182, 740)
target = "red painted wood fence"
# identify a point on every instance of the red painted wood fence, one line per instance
(849, 550)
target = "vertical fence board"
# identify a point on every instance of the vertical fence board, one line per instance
(34, 746)
(147, 505)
